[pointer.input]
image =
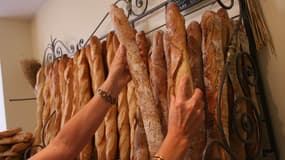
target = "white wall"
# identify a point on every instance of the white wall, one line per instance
(70, 20)
(15, 44)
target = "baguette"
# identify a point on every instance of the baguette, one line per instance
(40, 82)
(47, 99)
(194, 41)
(62, 87)
(9, 154)
(138, 70)
(68, 94)
(158, 77)
(143, 46)
(132, 116)
(4, 148)
(20, 147)
(84, 95)
(75, 106)
(213, 59)
(57, 101)
(141, 151)
(95, 60)
(111, 116)
(19, 138)
(10, 132)
(176, 50)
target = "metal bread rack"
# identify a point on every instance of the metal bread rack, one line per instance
(252, 122)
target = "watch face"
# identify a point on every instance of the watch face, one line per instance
(184, 4)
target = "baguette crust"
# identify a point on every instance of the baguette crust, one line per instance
(176, 50)
(111, 117)
(62, 87)
(213, 59)
(19, 138)
(10, 132)
(40, 107)
(132, 116)
(138, 70)
(68, 94)
(48, 100)
(141, 151)
(84, 95)
(158, 77)
(194, 37)
(20, 147)
(96, 65)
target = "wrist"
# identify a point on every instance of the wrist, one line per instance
(110, 87)
(173, 147)
(179, 141)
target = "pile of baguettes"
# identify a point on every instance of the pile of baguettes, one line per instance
(136, 126)
(13, 143)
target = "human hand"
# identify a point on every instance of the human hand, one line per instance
(186, 114)
(119, 75)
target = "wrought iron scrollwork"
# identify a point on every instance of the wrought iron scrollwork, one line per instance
(56, 49)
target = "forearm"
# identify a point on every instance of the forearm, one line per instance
(173, 148)
(80, 129)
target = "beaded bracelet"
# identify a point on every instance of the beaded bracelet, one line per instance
(107, 97)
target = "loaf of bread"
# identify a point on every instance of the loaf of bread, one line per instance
(158, 77)
(143, 45)
(84, 95)
(111, 117)
(213, 59)
(18, 138)
(138, 70)
(95, 60)
(9, 154)
(20, 147)
(47, 99)
(141, 151)
(62, 86)
(176, 52)
(54, 126)
(4, 148)
(132, 115)
(39, 88)
(10, 132)
(227, 29)
(75, 106)
(194, 41)
(68, 94)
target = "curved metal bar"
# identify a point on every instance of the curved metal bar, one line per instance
(226, 6)
(219, 104)
(250, 122)
(247, 74)
(45, 127)
(213, 143)
(139, 5)
(29, 149)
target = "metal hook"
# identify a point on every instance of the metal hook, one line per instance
(225, 6)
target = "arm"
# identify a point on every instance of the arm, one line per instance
(79, 130)
(185, 118)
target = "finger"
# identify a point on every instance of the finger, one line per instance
(184, 88)
(196, 97)
(172, 101)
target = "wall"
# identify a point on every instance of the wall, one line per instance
(272, 67)
(15, 44)
(70, 20)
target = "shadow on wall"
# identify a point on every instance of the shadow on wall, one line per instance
(264, 58)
